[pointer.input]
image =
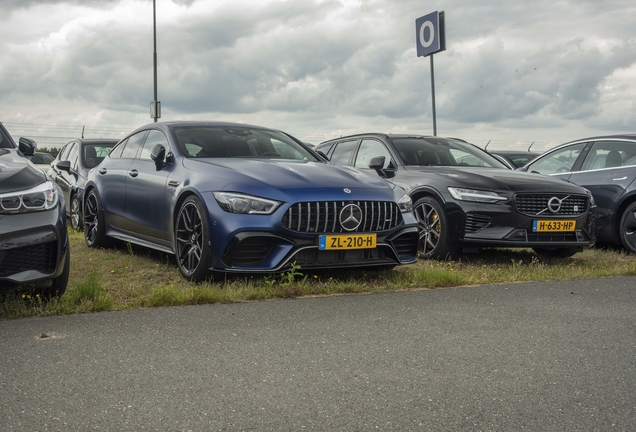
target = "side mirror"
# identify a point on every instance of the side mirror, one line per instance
(27, 146)
(158, 154)
(377, 163)
(64, 166)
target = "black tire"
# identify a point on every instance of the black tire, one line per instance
(58, 284)
(436, 241)
(627, 227)
(555, 252)
(192, 235)
(76, 216)
(94, 229)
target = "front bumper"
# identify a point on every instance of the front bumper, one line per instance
(485, 225)
(264, 243)
(33, 246)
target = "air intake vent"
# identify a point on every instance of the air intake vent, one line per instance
(476, 222)
(37, 257)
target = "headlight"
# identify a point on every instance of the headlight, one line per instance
(405, 203)
(245, 204)
(475, 195)
(589, 194)
(40, 198)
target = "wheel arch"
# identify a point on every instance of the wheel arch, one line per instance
(422, 192)
(184, 195)
(616, 217)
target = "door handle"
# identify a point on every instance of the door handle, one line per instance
(133, 173)
(103, 170)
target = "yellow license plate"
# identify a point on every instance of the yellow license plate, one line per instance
(553, 225)
(350, 241)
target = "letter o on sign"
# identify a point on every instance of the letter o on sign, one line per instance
(431, 34)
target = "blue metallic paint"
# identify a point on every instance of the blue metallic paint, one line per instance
(141, 206)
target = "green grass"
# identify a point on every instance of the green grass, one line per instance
(131, 277)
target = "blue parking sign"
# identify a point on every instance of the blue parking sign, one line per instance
(429, 34)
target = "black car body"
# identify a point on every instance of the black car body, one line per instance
(34, 248)
(240, 198)
(70, 169)
(606, 165)
(466, 199)
(515, 158)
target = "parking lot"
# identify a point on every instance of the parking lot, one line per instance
(533, 356)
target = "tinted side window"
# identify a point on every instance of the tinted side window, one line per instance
(324, 148)
(73, 155)
(154, 137)
(133, 144)
(559, 161)
(116, 151)
(342, 153)
(370, 149)
(610, 154)
(64, 152)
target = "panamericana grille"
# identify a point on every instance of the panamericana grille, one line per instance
(324, 216)
(533, 204)
(37, 257)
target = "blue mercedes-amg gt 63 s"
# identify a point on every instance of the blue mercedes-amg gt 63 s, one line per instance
(239, 198)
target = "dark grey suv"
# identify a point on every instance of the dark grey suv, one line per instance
(606, 165)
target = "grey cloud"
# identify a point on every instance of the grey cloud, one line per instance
(565, 78)
(276, 58)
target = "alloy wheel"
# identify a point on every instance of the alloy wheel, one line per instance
(628, 228)
(75, 213)
(189, 238)
(430, 228)
(91, 218)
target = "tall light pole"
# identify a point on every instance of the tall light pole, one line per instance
(155, 105)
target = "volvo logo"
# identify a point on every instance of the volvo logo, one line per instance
(347, 190)
(350, 217)
(554, 204)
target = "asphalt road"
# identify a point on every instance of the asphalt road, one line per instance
(557, 356)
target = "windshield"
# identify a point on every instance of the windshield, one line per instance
(433, 151)
(226, 142)
(4, 140)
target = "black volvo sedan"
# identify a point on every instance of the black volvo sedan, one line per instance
(34, 248)
(465, 199)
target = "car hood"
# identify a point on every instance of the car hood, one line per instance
(485, 179)
(285, 175)
(17, 173)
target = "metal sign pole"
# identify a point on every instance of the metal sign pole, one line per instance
(433, 96)
(154, 55)
(430, 38)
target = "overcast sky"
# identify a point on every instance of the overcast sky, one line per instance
(513, 71)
